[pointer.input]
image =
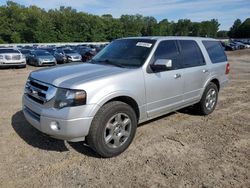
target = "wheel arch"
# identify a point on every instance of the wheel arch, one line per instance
(214, 80)
(125, 97)
(128, 100)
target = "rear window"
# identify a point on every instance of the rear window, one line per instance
(215, 51)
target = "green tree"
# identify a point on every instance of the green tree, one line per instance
(164, 28)
(182, 27)
(233, 32)
(222, 34)
(244, 29)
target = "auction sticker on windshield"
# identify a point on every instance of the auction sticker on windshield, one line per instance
(144, 44)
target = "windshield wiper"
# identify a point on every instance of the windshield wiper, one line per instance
(108, 62)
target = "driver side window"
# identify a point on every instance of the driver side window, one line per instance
(168, 50)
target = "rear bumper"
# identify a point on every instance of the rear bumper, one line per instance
(56, 123)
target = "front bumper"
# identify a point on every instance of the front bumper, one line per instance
(12, 63)
(65, 124)
(48, 63)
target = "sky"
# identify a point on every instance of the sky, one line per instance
(226, 11)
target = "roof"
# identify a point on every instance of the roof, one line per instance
(170, 37)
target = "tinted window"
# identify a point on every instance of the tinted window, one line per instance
(42, 53)
(59, 51)
(191, 54)
(23, 51)
(168, 50)
(69, 51)
(215, 51)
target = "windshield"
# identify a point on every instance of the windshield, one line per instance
(125, 52)
(7, 50)
(69, 51)
(51, 50)
(42, 53)
(25, 51)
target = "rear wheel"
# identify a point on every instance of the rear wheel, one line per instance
(113, 129)
(209, 99)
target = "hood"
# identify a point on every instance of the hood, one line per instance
(71, 75)
(10, 54)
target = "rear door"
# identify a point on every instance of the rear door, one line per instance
(195, 71)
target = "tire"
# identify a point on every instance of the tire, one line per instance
(207, 104)
(104, 126)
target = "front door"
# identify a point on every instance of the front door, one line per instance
(164, 89)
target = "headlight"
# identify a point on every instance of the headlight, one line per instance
(23, 56)
(68, 97)
(1, 56)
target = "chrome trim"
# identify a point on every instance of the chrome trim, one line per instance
(42, 95)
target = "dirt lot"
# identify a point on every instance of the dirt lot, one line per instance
(177, 150)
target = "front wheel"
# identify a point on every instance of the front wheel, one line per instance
(209, 99)
(112, 129)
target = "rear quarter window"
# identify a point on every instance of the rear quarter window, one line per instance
(215, 51)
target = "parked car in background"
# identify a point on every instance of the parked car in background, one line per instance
(10, 57)
(86, 52)
(67, 55)
(238, 45)
(88, 56)
(51, 50)
(25, 52)
(243, 45)
(41, 58)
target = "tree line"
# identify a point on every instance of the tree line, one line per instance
(20, 24)
(240, 29)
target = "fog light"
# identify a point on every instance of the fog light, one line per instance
(54, 126)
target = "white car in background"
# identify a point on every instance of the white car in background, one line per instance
(10, 57)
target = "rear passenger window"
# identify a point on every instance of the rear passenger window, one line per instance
(191, 54)
(168, 50)
(215, 51)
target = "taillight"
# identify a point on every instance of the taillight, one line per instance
(228, 68)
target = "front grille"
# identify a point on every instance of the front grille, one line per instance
(8, 57)
(39, 91)
(12, 57)
(16, 57)
(38, 85)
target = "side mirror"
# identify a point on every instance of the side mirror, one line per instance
(162, 65)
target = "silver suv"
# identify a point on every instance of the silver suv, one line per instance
(130, 81)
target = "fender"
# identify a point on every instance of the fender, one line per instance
(208, 81)
(119, 93)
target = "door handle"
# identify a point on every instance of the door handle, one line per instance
(204, 70)
(177, 75)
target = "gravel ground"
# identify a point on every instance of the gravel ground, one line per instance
(181, 149)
